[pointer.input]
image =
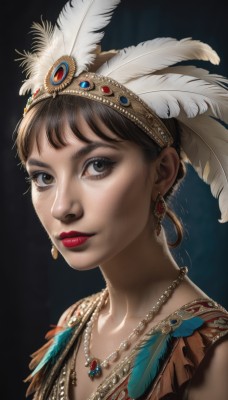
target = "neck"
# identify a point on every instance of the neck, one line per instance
(137, 277)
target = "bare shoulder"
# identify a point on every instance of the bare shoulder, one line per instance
(211, 380)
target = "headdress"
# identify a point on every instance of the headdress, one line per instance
(141, 82)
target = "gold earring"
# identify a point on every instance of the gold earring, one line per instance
(159, 211)
(54, 252)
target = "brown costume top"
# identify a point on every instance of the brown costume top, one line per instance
(187, 345)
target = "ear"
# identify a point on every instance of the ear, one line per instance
(166, 169)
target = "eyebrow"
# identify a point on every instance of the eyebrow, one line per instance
(79, 154)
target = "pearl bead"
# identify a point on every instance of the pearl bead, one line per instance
(124, 345)
(141, 326)
(135, 333)
(114, 356)
(105, 364)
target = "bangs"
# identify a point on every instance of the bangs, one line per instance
(53, 113)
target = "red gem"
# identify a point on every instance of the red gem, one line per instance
(93, 365)
(59, 74)
(36, 93)
(106, 90)
(160, 208)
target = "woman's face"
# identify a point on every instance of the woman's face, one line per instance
(94, 200)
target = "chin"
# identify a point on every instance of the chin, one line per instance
(84, 268)
(80, 266)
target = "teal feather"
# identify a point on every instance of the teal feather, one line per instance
(60, 341)
(147, 364)
(187, 327)
(148, 361)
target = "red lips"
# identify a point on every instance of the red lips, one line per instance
(74, 238)
(71, 234)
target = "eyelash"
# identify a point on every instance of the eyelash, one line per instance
(33, 177)
(108, 164)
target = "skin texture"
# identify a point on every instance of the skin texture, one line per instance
(111, 198)
(67, 193)
(85, 200)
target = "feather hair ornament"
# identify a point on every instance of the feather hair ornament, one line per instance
(75, 34)
(205, 143)
(168, 94)
(143, 83)
(153, 55)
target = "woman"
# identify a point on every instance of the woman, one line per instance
(104, 139)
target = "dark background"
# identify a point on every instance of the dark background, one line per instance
(35, 289)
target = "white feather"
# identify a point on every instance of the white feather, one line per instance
(205, 143)
(191, 70)
(169, 94)
(76, 34)
(43, 35)
(153, 55)
(80, 26)
(36, 64)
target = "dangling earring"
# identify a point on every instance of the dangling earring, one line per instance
(159, 211)
(54, 252)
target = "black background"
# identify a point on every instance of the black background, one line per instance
(35, 289)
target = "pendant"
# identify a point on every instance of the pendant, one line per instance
(95, 369)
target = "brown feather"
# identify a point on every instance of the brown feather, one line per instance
(180, 367)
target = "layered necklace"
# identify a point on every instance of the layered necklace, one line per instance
(94, 364)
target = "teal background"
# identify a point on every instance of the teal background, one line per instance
(35, 290)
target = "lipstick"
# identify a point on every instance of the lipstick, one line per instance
(73, 238)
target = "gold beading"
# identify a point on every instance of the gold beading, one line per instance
(133, 108)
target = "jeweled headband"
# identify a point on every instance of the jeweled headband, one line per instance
(141, 82)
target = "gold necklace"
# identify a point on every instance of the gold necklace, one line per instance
(94, 364)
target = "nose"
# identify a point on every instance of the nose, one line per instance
(66, 205)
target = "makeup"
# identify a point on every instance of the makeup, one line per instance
(73, 238)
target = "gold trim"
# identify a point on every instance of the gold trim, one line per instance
(46, 388)
(137, 111)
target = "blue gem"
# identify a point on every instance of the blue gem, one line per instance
(173, 321)
(124, 101)
(84, 84)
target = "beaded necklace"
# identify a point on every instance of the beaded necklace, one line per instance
(94, 364)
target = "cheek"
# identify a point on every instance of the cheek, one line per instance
(41, 207)
(124, 200)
